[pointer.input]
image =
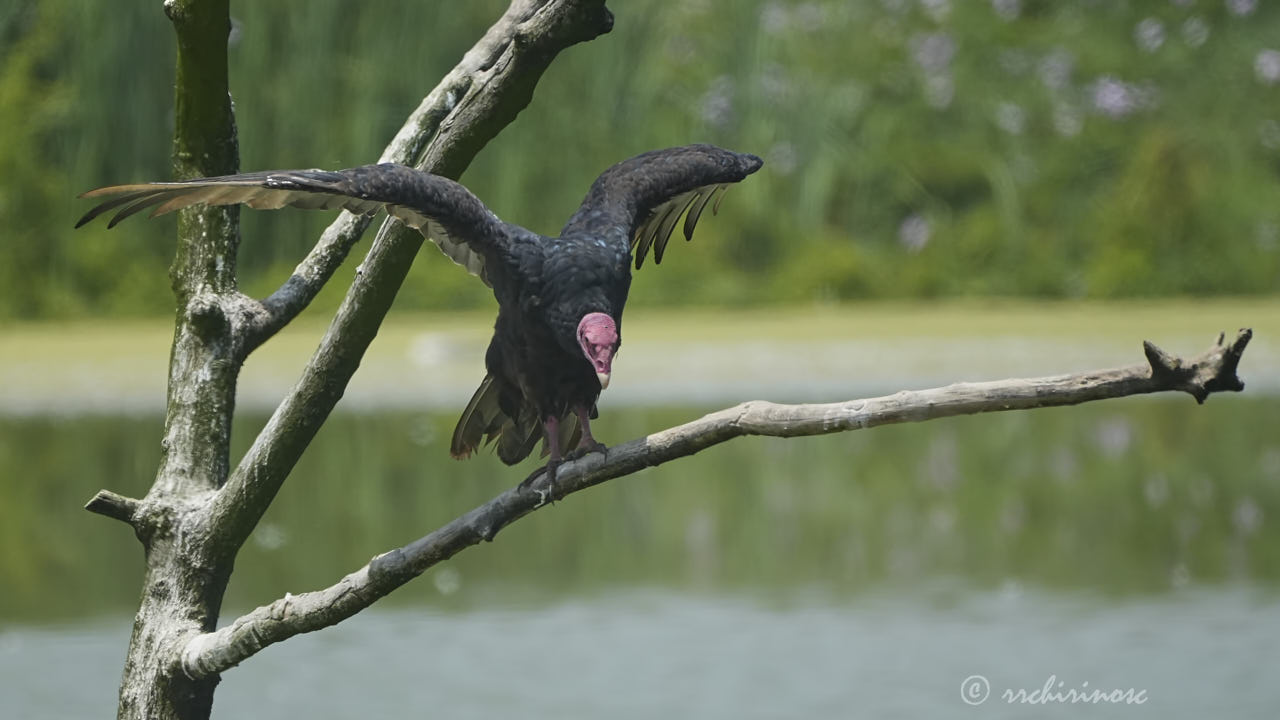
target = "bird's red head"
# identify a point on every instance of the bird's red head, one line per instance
(598, 338)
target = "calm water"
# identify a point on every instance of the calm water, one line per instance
(886, 654)
(1130, 544)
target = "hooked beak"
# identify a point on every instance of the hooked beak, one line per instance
(604, 379)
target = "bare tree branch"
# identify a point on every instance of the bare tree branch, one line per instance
(482, 95)
(278, 309)
(113, 505)
(1212, 371)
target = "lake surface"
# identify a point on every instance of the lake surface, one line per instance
(892, 653)
(1129, 544)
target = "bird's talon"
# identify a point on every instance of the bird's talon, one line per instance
(547, 495)
(551, 489)
(544, 497)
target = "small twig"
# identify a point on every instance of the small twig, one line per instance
(113, 505)
(211, 653)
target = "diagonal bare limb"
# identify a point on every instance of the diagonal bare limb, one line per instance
(1212, 371)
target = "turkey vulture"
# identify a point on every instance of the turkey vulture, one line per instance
(560, 299)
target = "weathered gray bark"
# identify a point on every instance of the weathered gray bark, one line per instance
(197, 513)
(184, 583)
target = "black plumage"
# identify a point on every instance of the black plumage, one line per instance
(560, 300)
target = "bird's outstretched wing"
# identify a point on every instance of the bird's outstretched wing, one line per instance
(643, 198)
(441, 209)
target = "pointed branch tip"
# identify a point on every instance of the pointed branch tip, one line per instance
(1242, 338)
(113, 505)
(1162, 363)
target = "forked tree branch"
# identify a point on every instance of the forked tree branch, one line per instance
(1212, 371)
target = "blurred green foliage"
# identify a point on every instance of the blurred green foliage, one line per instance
(914, 148)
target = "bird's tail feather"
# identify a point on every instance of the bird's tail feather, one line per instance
(480, 422)
(483, 422)
(517, 437)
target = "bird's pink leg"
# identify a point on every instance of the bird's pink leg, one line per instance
(551, 426)
(587, 444)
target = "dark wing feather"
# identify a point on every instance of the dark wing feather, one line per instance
(699, 204)
(670, 216)
(480, 422)
(441, 209)
(484, 422)
(517, 438)
(639, 201)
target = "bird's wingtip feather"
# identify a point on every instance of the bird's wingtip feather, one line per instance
(97, 192)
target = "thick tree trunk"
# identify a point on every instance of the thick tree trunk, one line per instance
(186, 578)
